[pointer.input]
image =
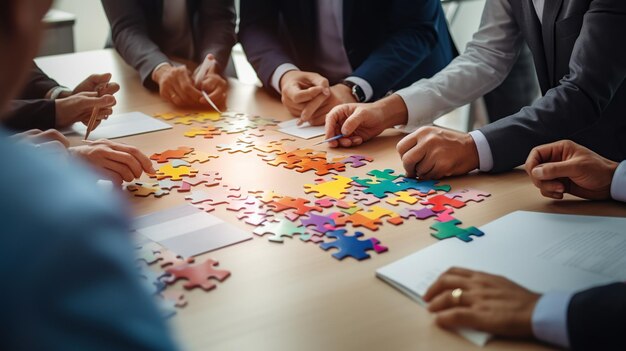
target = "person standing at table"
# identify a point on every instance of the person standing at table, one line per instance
(151, 34)
(66, 260)
(581, 72)
(592, 319)
(318, 54)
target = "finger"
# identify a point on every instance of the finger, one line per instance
(190, 94)
(300, 96)
(445, 282)
(334, 120)
(552, 186)
(407, 143)
(53, 134)
(411, 161)
(554, 170)
(445, 300)
(311, 108)
(552, 195)
(458, 317)
(108, 89)
(121, 169)
(353, 122)
(345, 142)
(143, 160)
(320, 81)
(124, 158)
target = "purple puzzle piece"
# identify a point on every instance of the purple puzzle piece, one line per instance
(321, 223)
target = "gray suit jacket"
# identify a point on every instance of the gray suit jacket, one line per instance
(581, 65)
(136, 27)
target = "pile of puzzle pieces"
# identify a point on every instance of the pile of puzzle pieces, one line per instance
(214, 123)
(170, 268)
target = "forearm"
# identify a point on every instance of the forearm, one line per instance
(31, 114)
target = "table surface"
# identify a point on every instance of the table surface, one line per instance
(294, 295)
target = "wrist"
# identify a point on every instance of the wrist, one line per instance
(345, 93)
(394, 110)
(473, 159)
(285, 78)
(159, 71)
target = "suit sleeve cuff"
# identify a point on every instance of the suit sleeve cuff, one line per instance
(279, 72)
(365, 85)
(618, 186)
(549, 320)
(485, 157)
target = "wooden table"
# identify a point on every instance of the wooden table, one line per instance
(295, 296)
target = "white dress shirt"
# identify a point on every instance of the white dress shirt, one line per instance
(331, 57)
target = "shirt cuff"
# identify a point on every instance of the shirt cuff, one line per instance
(279, 72)
(485, 157)
(618, 186)
(159, 66)
(365, 85)
(549, 320)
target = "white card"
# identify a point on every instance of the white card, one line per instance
(305, 131)
(122, 125)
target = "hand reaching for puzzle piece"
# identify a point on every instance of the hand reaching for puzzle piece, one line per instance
(117, 162)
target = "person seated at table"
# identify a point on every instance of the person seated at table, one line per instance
(581, 73)
(319, 54)
(151, 34)
(44, 104)
(66, 260)
(584, 320)
(113, 161)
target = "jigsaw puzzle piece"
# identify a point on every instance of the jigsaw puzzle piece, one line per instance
(358, 220)
(351, 245)
(198, 275)
(403, 196)
(320, 166)
(199, 156)
(336, 188)
(355, 161)
(206, 132)
(422, 213)
(451, 229)
(322, 224)
(279, 229)
(439, 203)
(143, 189)
(299, 205)
(167, 155)
(234, 148)
(467, 195)
(174, 173)
(386, 174)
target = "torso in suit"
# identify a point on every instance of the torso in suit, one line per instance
(390, 44)
(31, 110)
(581, 66)
(137, 32)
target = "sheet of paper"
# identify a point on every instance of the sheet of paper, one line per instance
(121, 125)
(543, 252)
(305, 131)
(188, 231)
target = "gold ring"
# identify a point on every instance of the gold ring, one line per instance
(456, 296)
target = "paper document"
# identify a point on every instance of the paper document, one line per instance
(121, 125)
(542, 252)
(305, 131)
(188, 231)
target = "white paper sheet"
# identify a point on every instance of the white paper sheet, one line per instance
(305, 131)
(121, 125)
(188, 231)
(543, 252)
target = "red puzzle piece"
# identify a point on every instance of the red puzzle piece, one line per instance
(198, 275)
(171, 154)
(439, 203)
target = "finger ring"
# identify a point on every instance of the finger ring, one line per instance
(456, 296)
(173, 96)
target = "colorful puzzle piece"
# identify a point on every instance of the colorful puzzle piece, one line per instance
(321, 167)
(174, 173)
(143, 189)
(355, 161)
(336, 188)
(199, 156)
(279, 229)
(171, 154)
(206, 132)
(321, 223)
(422, 213)
(299, 205)
(351, 246)
(237, 147)
(446, 230)
(198, 275)
(402, 196)
(467, 195)
(439, 203)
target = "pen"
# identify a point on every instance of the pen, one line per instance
(92, 121)
(329, 139)
(208, 99)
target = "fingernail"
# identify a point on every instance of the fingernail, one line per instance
(326, 91)
(559, 189)
(538, 172)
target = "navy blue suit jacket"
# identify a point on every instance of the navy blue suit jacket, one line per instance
(390, 44)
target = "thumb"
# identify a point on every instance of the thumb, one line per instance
(321, 82)
(100, 78)
(353, 122)
(104, 101)
(554, 170)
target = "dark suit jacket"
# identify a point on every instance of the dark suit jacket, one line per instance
(31, 110)
(136, 27)
(596, 319)
(390, 44)
(581, 65)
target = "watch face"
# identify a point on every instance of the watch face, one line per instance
(358, 93)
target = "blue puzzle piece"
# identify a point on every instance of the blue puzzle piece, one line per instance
(348, 245)
(450, 229)
(423, 186)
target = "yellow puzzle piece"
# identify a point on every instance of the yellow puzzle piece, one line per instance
(336, 188)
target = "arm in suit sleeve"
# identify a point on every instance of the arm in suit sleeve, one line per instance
(414, 36)
(38, 85)
(217, 20)
(259, 35)
(597, 69)
(129, 32)
(597, 318)
(23, 115)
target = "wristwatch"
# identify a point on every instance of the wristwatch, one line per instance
(357, 91)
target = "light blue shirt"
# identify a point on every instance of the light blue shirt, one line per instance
(66, 261)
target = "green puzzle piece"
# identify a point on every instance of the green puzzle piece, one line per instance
(450, 229)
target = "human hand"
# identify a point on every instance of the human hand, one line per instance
(362, 122)
(117, 162)
(208, 80)
(433, 153)
(36, 136)
(566, 167)
(339, 94)
(176, 86)
(488, 303)
(98, 83)
(302, 93)
(79, 107)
